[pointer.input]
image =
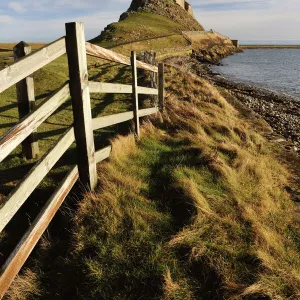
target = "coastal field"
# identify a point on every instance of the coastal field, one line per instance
(199, 207)
(6, 58)
(196, 209)
(46, 81)
(6, 52)
(9, 46)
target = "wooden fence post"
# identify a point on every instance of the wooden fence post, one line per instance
(135, 95)
(80, 93)
(26, 102)
(161, 86)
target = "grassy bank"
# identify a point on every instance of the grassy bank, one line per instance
(196, 209)
(138, 27)
(15, 166)
(48, 80)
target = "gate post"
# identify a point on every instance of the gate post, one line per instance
(26, 102)
(161, 86)
(135, 95)
(80, 93)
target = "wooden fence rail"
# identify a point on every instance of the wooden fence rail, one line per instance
(103, 53)
(31, 63)
(17, 134)
(79, 89)
(113, 88)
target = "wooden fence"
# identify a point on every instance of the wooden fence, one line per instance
(79, 88)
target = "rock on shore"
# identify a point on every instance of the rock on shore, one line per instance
(214, 54)
(281, 111)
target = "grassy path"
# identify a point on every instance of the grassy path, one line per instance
(15, 166)
(196, 209)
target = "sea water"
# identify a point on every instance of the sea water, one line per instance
(275, 69)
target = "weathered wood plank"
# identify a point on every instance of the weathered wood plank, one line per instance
(147, 111)
(17, 134)
(31, 63)
(103, 154)
(80, 93)
(161, 86)
(106, 121)
(147, 91)
(26, 102)
(20, 254)
(23, 190)
(113, 88)
(135, 96)
(103, 53)
(109, 88)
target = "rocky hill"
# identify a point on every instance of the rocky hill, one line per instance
(165, 8)
(200, 207)
(149, 19)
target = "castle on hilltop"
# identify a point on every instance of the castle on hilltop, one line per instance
(186, 6)
(137, 5)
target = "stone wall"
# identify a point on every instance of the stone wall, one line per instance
(235, 43)
(180, 2)
(186, 6)
(207, 38)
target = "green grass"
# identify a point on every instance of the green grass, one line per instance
(15, 167)
(196, 209)
(49, 79)
(5, 59)
(138, 27)
(46, 81)
(162, 45)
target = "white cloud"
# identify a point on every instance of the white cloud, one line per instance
(50, 30)
(17, 7)
(52, 6)
(279, 20)
(5, 19)
(255, 19)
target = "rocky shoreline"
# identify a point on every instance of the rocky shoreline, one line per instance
(214, 54)
(280, 111)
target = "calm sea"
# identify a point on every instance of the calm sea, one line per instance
(276, 69)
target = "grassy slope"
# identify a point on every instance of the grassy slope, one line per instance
(142, 31)
(200, 213)
(47, 80)
(156, 32)
(194, 210)
(148, 30)
(190, 211)
(15, 167)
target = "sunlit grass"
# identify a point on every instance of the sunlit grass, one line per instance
(195, 209)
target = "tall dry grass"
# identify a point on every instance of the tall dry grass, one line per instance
(251, 248)
(195, 209)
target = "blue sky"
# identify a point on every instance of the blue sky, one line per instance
(43, 20)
